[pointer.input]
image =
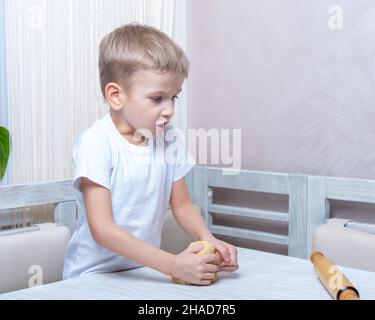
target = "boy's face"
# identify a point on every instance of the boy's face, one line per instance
(149, 101)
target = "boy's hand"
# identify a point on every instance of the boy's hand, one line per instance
(195, 268)
(228, 254)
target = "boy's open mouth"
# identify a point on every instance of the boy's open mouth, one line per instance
(162, 125)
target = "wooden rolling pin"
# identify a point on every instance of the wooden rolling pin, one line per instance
(337, 284)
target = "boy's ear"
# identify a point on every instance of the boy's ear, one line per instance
(115, 95)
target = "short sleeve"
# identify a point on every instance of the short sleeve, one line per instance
(183, 160)
(92, 159)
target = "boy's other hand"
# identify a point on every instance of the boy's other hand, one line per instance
(195, 268)
(227, 252)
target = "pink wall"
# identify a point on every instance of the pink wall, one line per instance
(303, 94)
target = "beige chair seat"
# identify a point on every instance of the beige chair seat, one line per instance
(345, 246)
(173, 238)
(27, 253)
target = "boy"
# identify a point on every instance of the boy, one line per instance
(123, 189)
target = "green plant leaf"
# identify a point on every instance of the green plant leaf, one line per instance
(5, 145)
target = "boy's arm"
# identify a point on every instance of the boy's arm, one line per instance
(183, 208)
(109, 235)
(188, 216)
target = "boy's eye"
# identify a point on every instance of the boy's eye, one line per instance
(157, 99)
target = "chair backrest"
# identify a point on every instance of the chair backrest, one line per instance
(201, 181)
(32, 256)
(60, 193)
(309, 203)
(321, 190)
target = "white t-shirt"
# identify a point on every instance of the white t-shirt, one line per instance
(140, 181)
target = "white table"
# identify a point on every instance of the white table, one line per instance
(261, 276)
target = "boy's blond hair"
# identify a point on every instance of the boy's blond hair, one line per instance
(135, 46)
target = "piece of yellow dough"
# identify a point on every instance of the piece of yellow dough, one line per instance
(208, 248)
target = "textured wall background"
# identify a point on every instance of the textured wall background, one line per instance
(302, 93)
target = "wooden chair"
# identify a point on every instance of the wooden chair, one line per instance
(202, 180)
(36, 254)
(42, 246)
(347, 242)
(308, 209)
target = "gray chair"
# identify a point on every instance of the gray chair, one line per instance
(32, 256)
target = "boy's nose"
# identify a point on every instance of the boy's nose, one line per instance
(168, 111)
